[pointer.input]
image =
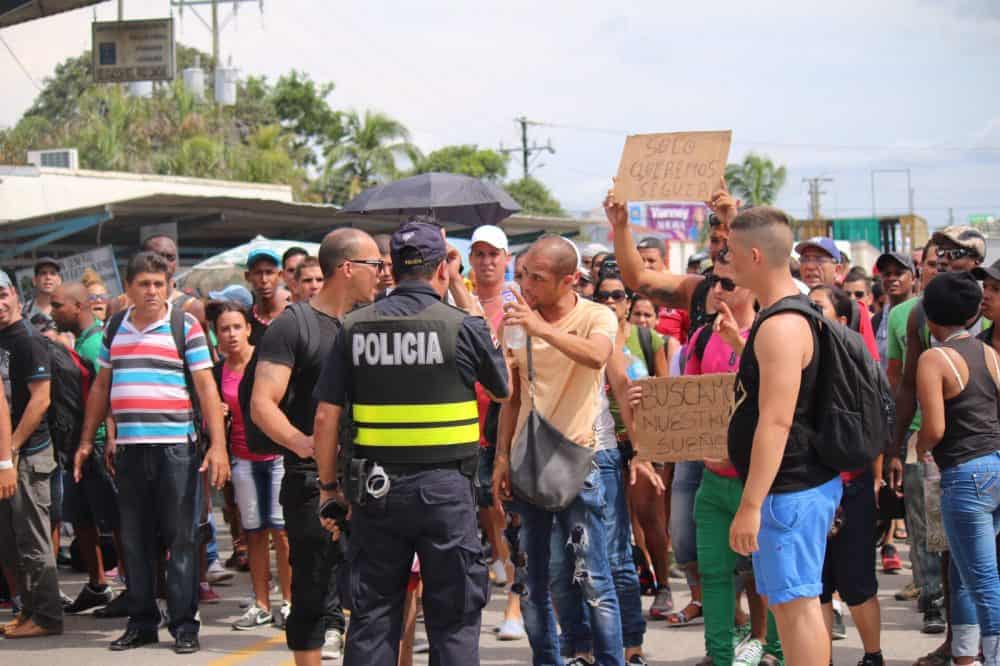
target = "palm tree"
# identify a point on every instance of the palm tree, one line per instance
(757, 181)
(367, 154)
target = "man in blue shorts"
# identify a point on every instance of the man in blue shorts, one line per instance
(789, 497)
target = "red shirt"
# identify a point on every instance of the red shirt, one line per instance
(675, 323)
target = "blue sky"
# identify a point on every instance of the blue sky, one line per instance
(828, 89)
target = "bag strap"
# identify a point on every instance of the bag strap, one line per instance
(951, 363)
(646, 343)
(531, 373)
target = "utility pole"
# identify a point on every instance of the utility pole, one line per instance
(215, 32)
(214, 25)
(814, 194)
(525, 149)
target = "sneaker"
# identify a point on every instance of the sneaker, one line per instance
(247, 602)
(749, 653)
(511, 630)
(117, 608)
(740, 633)
(637, 660)
(890, 559)
(933, 622)
(838, 632)
(88, 598)
(216, 574)
(333, 646)
(281, 617)
(579, 661)
(663, 604)
(253, 618)
(206, 595)
(498, 572)
(910, 592)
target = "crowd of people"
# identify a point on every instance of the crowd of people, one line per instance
(365, 417)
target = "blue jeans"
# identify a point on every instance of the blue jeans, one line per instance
(576, 636)
(159, 490)
(586, 565)
(970, 511)
(687, 478)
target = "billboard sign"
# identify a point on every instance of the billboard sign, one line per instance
(133, 50)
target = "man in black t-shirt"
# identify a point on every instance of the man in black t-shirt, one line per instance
(25, 530)
(263, 275)
(351, 265)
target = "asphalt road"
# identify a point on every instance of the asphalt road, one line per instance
(86, 638)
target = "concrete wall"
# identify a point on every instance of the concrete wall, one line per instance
(31, 191)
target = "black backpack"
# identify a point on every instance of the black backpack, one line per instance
(71, 377)
(257, 441)
(177, 333)
(850, 408)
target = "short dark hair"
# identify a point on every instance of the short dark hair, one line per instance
(383, 241)
(308, 262)
(293, 251)
(843, 304)
(856, 273)
(145, 262)
(148, 241)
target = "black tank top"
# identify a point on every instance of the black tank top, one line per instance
(801, 467)
(971, 425)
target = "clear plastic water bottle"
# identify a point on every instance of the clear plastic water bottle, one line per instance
(635, 366)
(513, 335)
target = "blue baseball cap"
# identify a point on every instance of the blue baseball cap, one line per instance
(235, 293)
(821, 243)
(262, 253)
(417, 243)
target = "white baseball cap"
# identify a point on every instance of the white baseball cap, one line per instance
(491, 235)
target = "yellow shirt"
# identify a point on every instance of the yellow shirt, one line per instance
(566, 393)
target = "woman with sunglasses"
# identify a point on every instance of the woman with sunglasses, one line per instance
(613, 422)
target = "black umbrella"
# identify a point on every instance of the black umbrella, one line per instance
(449, 197)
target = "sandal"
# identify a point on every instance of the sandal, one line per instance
(899, 534)
(682, 619)
(938, 657)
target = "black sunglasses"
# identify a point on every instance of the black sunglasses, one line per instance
(379, 264)
(615, 295)
(727, 283)
(859, 294)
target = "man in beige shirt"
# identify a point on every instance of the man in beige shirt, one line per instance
(572, 340)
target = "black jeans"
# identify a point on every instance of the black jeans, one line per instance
(315, 560)
(160, 497)
(433, 514)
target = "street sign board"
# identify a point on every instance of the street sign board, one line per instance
(982, 219)
(133, 50)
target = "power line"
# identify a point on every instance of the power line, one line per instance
(526, 150)
(780, 144)
(20, 64)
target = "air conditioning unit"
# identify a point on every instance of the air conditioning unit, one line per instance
(59, 158)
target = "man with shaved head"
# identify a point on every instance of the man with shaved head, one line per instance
(351, 266)
(789, 497)
(91, 499)
(571, 341)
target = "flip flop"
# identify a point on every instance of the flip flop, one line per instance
(680, 618)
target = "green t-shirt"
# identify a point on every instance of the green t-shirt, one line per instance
(88, 346)
(899, 316)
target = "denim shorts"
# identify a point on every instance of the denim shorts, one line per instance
(256, 486)
(792, 540)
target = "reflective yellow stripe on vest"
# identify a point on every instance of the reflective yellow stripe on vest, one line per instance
(402, 424)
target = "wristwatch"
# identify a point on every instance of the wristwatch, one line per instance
(328, 487)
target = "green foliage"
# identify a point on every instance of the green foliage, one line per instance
(534, 197)
(366, 155)
(756, 181)
(466, 159)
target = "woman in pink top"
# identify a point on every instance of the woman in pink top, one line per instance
(256, 478)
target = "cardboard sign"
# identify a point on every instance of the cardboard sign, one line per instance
(71, 268)
(684, 418)
(679, 166)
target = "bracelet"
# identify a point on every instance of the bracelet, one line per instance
(6, 464)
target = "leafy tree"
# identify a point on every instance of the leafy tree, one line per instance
(302, 108)
(756, 181)
(534, 197)
(466, 159)
(366, 155)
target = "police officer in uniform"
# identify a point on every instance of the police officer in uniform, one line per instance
(407, 366)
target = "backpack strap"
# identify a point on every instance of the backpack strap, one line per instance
(115, 323)
(646, 343)
(704, 334)
(177, 332)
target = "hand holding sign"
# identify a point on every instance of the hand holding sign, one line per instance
(615, 210)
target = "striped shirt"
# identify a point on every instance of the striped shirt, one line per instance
(149, 395)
